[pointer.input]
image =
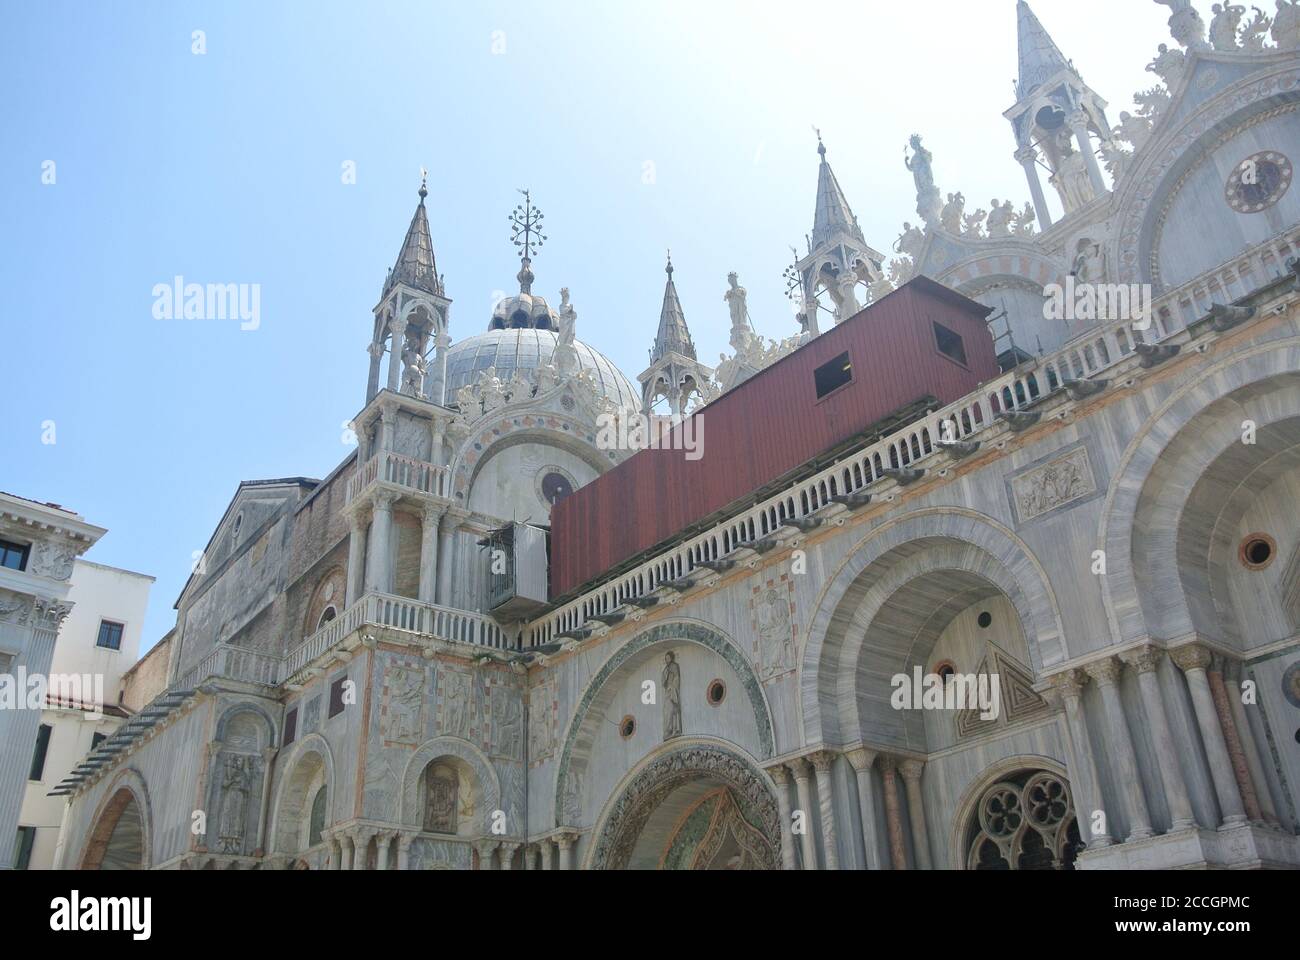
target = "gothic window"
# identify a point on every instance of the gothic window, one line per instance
(317, 823)
(329, 614)
(1025, 822)
(441, 798)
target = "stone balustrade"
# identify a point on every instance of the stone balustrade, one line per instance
(395, 470)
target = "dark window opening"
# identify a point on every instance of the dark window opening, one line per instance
(627, 727)
(831, 376)
(13, 555)
(950, 344)
(95, 740)
(336, 695)
(23, 848)
(985, 620)
(110, 635)
(290, 726)
(42, 747)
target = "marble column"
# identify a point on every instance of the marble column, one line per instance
(911, 771)
(862, 761)
(380, 578)
(383, 841)
(1084, 780)
(1254, 758)
(822, 762)
(893, 814)
(431, 518)
(1028, 158)
(398, 330)
(1193, 661)
(376, 351)
(508, 855)
(404, 851)
(336, 853)
(356, 557)
(548, 854)
(1078, 121)
(1106, 673)
(808, 847)
(345, 857)
(781, 777)
(1240, 769)
(361, 850)
(446, 554)
(1145, 660)
(533, 857)
(566, 842)
(440, 343)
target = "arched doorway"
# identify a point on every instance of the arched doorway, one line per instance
(118, 839)
(1024, 821)
(697, 807)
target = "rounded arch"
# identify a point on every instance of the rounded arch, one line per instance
(580, 736)
(1161, 164)
(1032, 769)
(976, 551)
(328, 594)
(232, 713)
(644, 789)
(126, 797)
(496, 433)
(487, 787)
(1154, 480)
(306, 769)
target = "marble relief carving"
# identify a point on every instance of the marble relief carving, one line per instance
(771, 609)
(1064, 480)
(541, 721)
(401, 717)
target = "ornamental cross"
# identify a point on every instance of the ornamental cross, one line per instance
(526, 227)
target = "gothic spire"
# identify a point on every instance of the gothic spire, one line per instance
(1040, 57)
(673, 336)
(415, 265)
(833, 214)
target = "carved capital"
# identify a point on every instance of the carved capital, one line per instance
(779, 774)
(432, 514)
(888, 764)
(1106, 671)
(1078, 120)
(1027, 154)
(1144, 659)
(1069, 683)
(911, 770)
(376, 350)
(51, 613)
(822, 760)
(388, 411)
(861, 758)
(383, 500)
(566, 839)
(800, 768)
(1193, 656)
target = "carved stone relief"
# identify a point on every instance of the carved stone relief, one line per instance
(401, 712)
(771, 608)
(1055, 484)
(542, 714)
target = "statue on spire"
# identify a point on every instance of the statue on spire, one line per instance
(928, 200)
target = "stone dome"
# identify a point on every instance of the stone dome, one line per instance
(527, 348)
(524, 310)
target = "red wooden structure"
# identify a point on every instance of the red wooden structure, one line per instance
(923, 345)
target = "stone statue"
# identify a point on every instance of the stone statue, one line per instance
(1000, 218)
(1186, 24)
(1225, 25)
(236, 786)
(848, 305)
(1071, 178)
(468, 403)
(927, 194)
(973, 224)
(519, 387)
(547, 377)
(1089, 262)
(1023, 225)
(672, 691)
(772, 619)
(566, 357)
(1134, 130)
(742, 331)
(441, 793)
(953, 210)
(900, 271)
(1169, 66)
(490, 389)
(1116, 157)
(910, 241)
(1286, 25)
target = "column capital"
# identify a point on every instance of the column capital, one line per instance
(376, 350)
(888, 763)
(1027, 154)
(383, 500)
(1192, 656)
(1105, 671)
(1069, 683)
(1143, 659)
(800, 768)
(388, 410)
(911, 770)
(432, 513)
(861, 758)
(822, 760)
(1077, 119)
(565, 839)
(779, 774)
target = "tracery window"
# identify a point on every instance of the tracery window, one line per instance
(1026, 822)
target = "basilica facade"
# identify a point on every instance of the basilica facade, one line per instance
(374, 671)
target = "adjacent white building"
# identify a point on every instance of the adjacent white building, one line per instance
(99, 642)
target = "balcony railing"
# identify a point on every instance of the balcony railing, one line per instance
(400, 613)
(233, 663)
(1087, 356)
(397, 470)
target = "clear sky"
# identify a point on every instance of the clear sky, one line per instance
(638, 126)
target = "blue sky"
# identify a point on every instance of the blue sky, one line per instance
(226, 167)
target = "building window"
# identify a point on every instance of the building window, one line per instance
(23, 848)
(336, 695)
(110, 635)
(1257, 551)
(716, 693)
(831, 376)
(950, 344)
(42, 747)
(95, 740)
(13, 555)
(291, 726)
(329, 614)
(627, 727)
(317, 822)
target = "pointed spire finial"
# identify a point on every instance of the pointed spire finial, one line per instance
(424, 183)
(821, 147)
(669, 268)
